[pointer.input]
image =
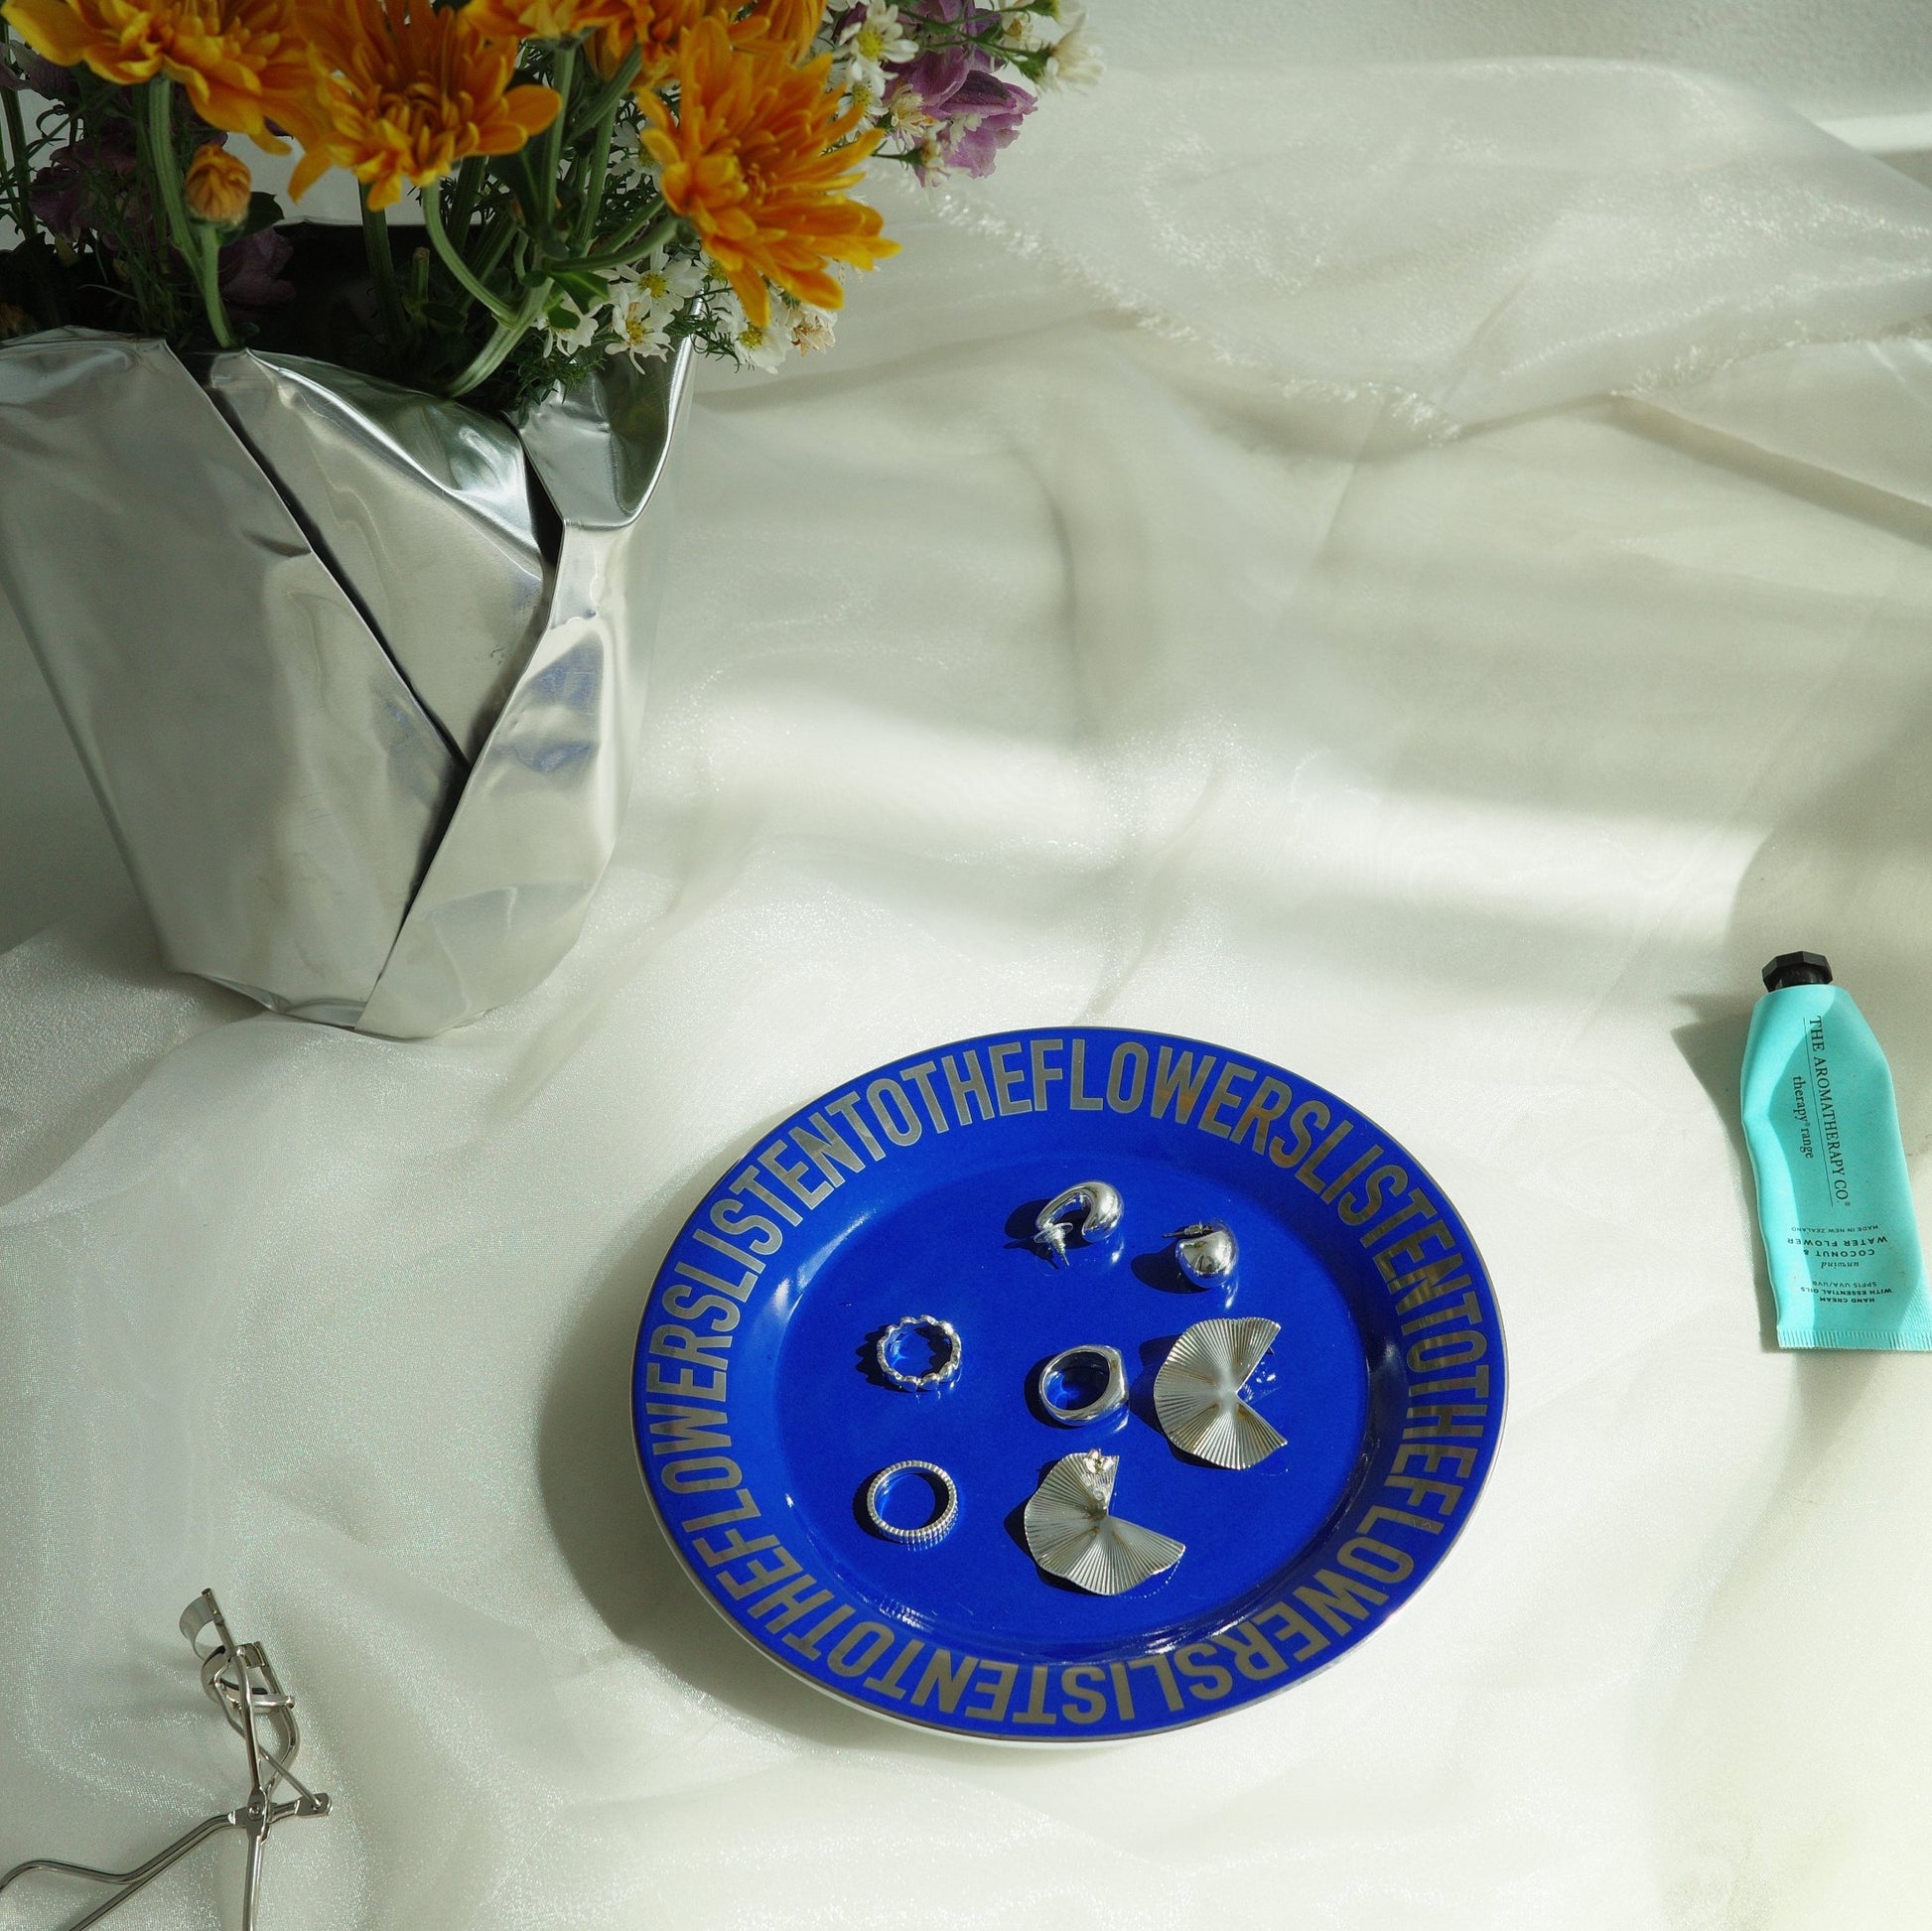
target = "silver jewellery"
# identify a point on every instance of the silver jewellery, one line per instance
(1206, 1252)
(1093, 1376)
(243, 1684)
(1197, 1393)
(1073, 1533)
(945, 1492)
(942, 1345)
(1097, 1206)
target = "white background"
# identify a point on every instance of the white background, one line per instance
(1422, 575)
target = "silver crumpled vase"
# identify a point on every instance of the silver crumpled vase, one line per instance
(357, 675)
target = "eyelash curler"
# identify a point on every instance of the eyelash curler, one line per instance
(243, 1682)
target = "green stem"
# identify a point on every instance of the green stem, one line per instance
(561, 76)
(20, 174)
(603, 132)
(451, 260)
(157, 103)
(608, 97)
(20, 182)
(524, 185)
(507, 335)
(197, 248)
(207, 271)
(618, 254)
(469, 180)
(382, 272)
(495, 245)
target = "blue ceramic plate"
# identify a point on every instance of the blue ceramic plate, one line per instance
(761, 1414)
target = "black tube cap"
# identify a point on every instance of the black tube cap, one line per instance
(1797, 969)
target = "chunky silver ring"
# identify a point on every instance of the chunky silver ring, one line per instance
(1110, 1397)
(934, 1331)
(928, 1532)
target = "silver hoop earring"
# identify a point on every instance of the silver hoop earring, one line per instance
(1094, 1209)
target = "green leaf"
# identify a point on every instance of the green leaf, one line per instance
(264, 211)
(586, 291)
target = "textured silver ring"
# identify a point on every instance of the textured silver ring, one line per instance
(1109, 1398)
(935, 1329)
(928, 1532)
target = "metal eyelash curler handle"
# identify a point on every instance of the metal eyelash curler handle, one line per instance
(243, 1684)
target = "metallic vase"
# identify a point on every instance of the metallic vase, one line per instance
(357, 675)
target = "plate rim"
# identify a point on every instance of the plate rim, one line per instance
(1098, 1739)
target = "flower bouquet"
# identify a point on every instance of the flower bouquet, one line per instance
(338, 548)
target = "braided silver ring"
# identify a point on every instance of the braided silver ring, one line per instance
(941, 1337)
(928, 1532)
(1055, 1373)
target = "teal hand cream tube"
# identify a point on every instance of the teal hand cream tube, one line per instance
(1834, 1199)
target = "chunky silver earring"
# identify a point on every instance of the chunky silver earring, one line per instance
(1197, 1393)
(1205, 1253)
(1073, 1533)
(1094, 1209)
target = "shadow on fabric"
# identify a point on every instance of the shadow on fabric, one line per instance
(601, 1517)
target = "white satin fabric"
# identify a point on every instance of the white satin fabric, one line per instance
(1337, 667)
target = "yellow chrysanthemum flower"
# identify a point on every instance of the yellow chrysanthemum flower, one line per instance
(787, 27)
(217, 186)
(758, 157)
(403, 92)
(238, 61)
(656, 28)
(543, 20)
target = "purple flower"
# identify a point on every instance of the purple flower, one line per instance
(36, 75)
(975, 113)
(90, 185)
(251, 268)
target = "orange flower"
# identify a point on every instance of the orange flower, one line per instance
(237, 58)
(785, 26)
(654, 28)
(658, 26)
(757, 159)
(542, 19)
(217, 186)
(403, 92)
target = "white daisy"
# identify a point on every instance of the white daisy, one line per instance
(646, 304)
(870, 40)
(1025, 32)
(811, 328)
(1074, 59)
(569, 327)
(908, 117)
(755, 348)
(629, 165)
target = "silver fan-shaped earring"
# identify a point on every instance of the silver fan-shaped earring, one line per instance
(1205, 1253)
(1197, 1393)
(1094, 1209)
(1073, 1533)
